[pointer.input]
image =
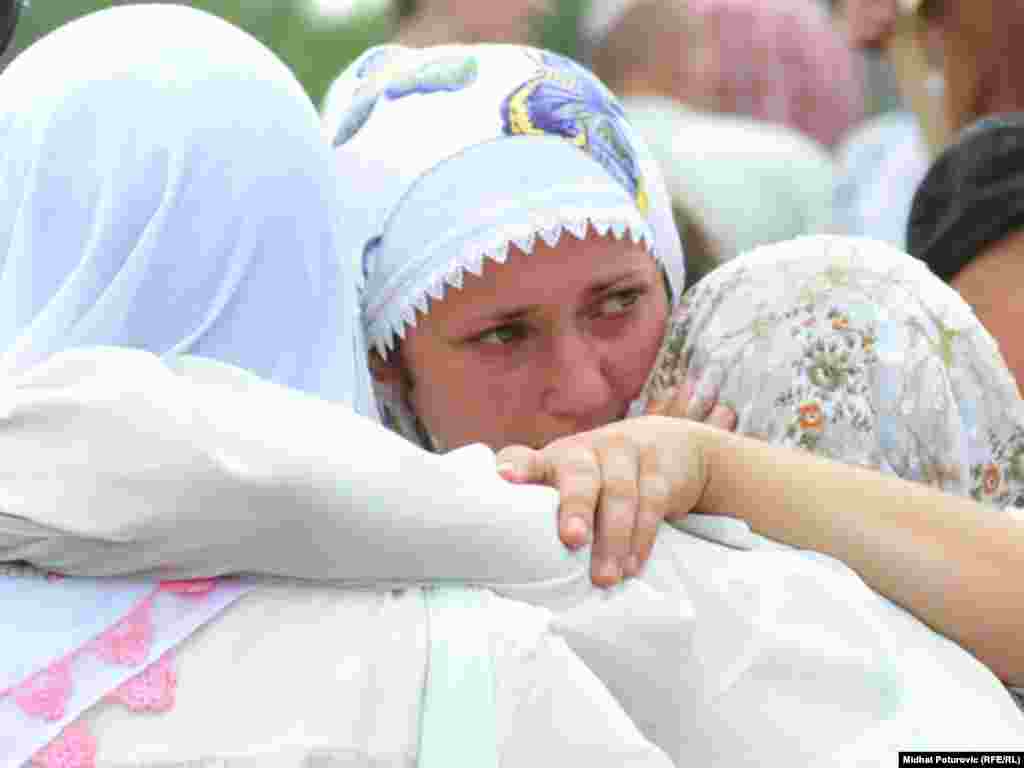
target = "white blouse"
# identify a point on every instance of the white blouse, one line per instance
(300, 676)
(112, 461)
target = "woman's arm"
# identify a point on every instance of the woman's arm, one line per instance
(956, 565)
(113, 462)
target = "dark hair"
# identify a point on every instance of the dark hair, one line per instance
(9, 12)
(406, 8)
(972, 197)
(703, 254)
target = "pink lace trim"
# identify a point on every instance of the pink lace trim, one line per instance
(127, 642)
(46, 693)
(152, 690)
(74, 748)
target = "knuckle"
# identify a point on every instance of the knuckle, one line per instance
(580, 460)
(655, 489)
(619, 489)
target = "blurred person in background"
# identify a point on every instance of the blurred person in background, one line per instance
(962, 220)
(9, 12)
(881, 162)
(436, 22)
(740, 181)
(878, 169)
(967, 224)
(974, 45)
(783, 62)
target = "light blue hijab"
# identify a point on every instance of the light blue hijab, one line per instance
(163, 186)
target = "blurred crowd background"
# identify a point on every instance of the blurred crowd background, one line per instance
(770, 119)
(317, 38)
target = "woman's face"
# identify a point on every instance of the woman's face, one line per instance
(989, 283)
(546, 345)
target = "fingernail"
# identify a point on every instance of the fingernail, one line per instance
(507, 471)
(632, 566)
(577, 528)
(696, 409)
(610, 570)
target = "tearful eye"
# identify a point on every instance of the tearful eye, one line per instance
(503, 334)
(618, 303)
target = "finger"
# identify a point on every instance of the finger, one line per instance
(655, 491)
(576, 472)
(657, 405)
(698, 408)
(617, 511)
(705, 395)
(675, 400)
(520, 464)
(723, 417)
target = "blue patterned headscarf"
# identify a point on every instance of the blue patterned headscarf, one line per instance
(454, 154)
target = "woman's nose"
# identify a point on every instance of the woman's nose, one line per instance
(577, 383)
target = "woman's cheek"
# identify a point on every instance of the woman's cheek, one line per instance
(637, 353)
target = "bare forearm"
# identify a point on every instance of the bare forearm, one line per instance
(954, 564)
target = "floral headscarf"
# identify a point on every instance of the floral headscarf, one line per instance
(532, 146)
(850, 349)
(782, 61)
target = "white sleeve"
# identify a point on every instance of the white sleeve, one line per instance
(114, 462)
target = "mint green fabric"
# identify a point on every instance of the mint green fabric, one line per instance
(458, 721)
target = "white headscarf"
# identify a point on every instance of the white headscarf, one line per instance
(453, 154)
(165, 186)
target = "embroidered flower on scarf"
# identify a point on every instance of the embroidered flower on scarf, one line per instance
(830, 368)
(1001, 479)
(384, 78)
(839, 322)
(565, 100)
(991, 479)
(811, 416)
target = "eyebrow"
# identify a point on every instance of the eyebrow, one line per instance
(594, 289)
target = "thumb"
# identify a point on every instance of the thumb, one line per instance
(520, 464)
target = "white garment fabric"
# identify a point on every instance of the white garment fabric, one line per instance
(750, 183)
(795, 648)
(166, 191)
(188, 466)
(350, 694)
(198, 469)
(880, 165)
(363, 508)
